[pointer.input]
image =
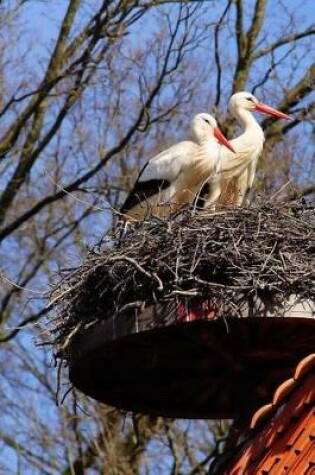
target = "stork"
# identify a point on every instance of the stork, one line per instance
(238, 171)
(172, 178)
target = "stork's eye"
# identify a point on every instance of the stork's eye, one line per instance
(250, 99)
(207, 120)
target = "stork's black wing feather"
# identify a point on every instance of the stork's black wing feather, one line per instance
(158, 174)
(142, 191)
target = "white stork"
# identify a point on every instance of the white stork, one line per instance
(238, 171)
(172, 178)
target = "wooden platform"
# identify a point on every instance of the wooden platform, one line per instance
(202, 369)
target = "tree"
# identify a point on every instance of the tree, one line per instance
(105, 86)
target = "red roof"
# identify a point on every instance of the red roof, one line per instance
(281, 437)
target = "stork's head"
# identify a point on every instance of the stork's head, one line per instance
(247, 101)
(204, 126)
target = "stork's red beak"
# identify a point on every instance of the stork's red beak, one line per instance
(220, 137)
(269, 110)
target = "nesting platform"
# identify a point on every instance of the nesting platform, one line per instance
(196, 316)
(201, 369)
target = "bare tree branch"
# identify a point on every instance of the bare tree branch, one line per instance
(283, 41)
(216, 52)
(255, 28)
(57, 60)
(246, 42)
(273, 127)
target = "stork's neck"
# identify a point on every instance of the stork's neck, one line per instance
(246, 119)
(205, 140)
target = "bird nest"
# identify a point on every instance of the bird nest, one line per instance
(232, 262)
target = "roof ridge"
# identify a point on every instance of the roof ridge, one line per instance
(283, 390)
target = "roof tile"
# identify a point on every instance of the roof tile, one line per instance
(304, 366)
(283, 390)
(282, 436)
(260, 415)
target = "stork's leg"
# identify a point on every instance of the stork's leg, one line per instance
(246, 199)
(214, 194)
(241, 187)
(123, 232)
(201, 196)
(251, 174)
(208, 195)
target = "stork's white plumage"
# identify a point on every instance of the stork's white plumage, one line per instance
(173, 177)
(238, 170)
